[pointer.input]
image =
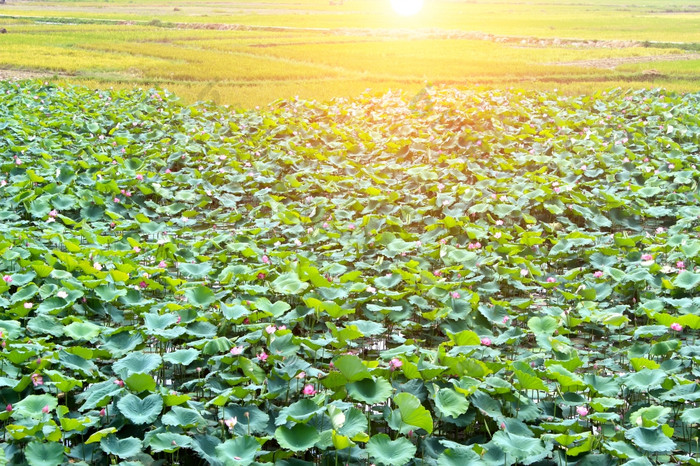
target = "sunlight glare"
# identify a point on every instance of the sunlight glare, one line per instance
(407, 7)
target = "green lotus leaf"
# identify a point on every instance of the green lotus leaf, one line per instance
(413, 414)
(123, 448)
(542, 325)
(137, 362)
(168, 442)
(650, 439)
(141, 411)
(390, 452)
(451, 403)
(687, 280)
(458, 456)
(44, 454)
(98, 395)
(183, 417)
(691, 415)
(200, 296)
(370, 390)
(138, 382)
(300, 437)
(238, 451)
(288, 283)
(182, 356)
(32, 406)
(249, 418)
(196, 270)
(352, 368)
(82, 331)
(524, 449)
(109, 292)
(299, 411)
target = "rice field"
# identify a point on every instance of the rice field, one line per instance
(251, 53)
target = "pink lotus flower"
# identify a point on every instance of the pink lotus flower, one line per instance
(598, 274)
(28, 305)
(7, 279)
(143, 284)
(8, 408)
(162, 264)
(454, 295)
(680, 265)
(261, 276)
(119, 382)
(395, 364)
(53, 213)
(139, 177)
(103, 412)
(351, 226)
(551, 280)
(677, 327)
(45, 409)
(231, 423)
(371, 289)
(309, 390)
(263, 356)
(301, 375)
(582, 411)
(116, 200)
(506, 319)
(486, 341)
(270, 329)
(265, 259)
(236, 350)
(647, 257)
(37, 380)
(523, 272)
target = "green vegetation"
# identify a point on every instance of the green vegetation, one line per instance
(458, 277)
(252, 53)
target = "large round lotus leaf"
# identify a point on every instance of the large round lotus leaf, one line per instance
(450, 403)
(288, 283)
(299, 411)
(650, 439)
(370, 391)
(355, 423)
(44, 454)
(141, 411)
(299, 438)
(137, 362)
(196, 270)
(182, 356)
(33, 406)
(463, 456)
(250, 418)
(183, 417)
(413, 414)
(168, 442)
(523, 449)
(646, 379)
(123, 448)
(200, 296)
(239, 451)
(687, 280)
(82, 330)
(691, 416)
(390, 452)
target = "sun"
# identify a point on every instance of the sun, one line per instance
(407, 7)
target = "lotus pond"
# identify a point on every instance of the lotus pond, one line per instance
(453, 278)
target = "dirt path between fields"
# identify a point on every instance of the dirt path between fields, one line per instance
(612, 63)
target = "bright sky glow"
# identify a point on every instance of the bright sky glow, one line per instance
(407, 7)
